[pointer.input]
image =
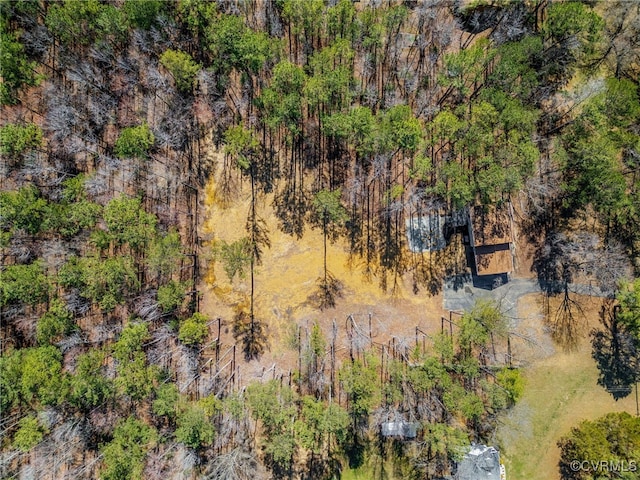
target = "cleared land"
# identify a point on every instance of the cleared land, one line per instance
(561, 391)
(561, 386)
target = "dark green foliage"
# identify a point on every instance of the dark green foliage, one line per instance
(106, 282)
(341, 20)
(57, 322)
(85, 21)
(164, 253)
(130, 342)
(464, 70)
(194, 427)
(74, 213)
(10, 375)
(281, 448)
(135, 142)
(467, 404)
(274, 406)
(29, 433)
(88, 385)
(358, 127)
(193, 330)
(136, 379)
(17, 70)
(271, 404)
(331, 83)
(592, 148)
(629, 299)
(42, 379)
(70, 274)
(317, 342)
(575, 27)
(112, 25)
(12, 10)
(282, 102)
(321, 425)
(142, 13)
(23, 209)
(360, 382)
(124, 455)
(305, 17)
(72, 19)
(619, 103)
(612, 438)
(171, 296)
(128, 223)
(516, 72)
(26, 209)
(16, 139)
(444, 442)
(431, 374)
(478, 325)
(235, 46)
(73, 188)
(593, 176)
(456, 185)
(225, 36)
(166, 401)
(182, 67)
(76, 217)
(235, 257)
(26, 284)
(399, 129)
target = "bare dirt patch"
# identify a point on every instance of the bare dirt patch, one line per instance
(285, 283)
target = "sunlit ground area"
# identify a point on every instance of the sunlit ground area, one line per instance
(560, 392)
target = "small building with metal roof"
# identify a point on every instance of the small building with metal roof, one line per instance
(491, 237)
(481, 463)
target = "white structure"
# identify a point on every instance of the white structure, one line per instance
(481, 463)
(400, 429)
(426, 234)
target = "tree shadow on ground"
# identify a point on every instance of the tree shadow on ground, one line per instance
(617, 355)
(252, 335)
(327, 291)
(291, 209)
(320, 468)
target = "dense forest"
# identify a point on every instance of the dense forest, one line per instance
(346, 117)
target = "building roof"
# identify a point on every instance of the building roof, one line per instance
(481, 463)
(425, 234)
(400, 429)
(491, 237)
(493, 259)
(491, 225)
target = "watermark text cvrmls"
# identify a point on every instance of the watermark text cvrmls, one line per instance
(620, 466)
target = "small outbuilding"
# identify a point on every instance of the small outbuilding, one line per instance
(491, 237)
(426, 233)
(399, 429)
(481, 463)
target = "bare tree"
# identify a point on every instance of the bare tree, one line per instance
(570, 264)
(237, 464)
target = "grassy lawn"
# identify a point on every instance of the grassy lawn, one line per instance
(560, 392)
